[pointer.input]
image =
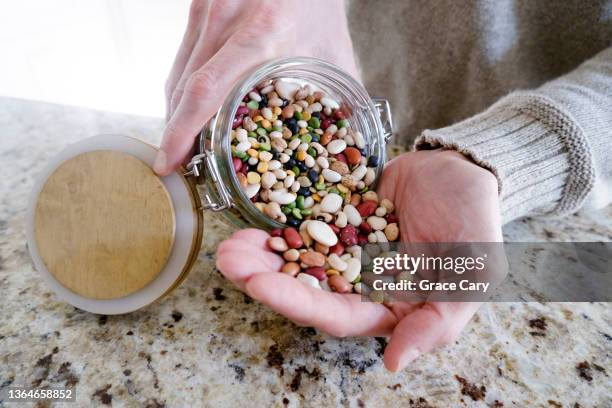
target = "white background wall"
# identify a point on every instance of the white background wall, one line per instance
(105, 54)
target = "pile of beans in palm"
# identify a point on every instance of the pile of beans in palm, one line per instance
(300, 163)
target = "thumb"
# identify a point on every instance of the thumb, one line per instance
(433, 325)
(204, 94)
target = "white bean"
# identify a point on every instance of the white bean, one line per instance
(308, 280)
(359, 172)
(336, 146)
(322, 162)
(352, 215)
(353, 269)
(331, 176)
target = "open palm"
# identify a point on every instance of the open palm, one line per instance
(440, 196)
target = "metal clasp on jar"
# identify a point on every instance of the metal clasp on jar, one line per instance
(384, 110)
(204, 165)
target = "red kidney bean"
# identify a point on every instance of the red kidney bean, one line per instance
(276, 232)
(362, 239)
(293, 238)
(334, 228)
(348, 235)
(365, 227)
(237, 122)
(237, 164)
(337, 249)
(341, 157)
(339, 114)
(242, 110)
(367, 208)
(325, 124)
(391, 218)
(316, 271)
(244, 169)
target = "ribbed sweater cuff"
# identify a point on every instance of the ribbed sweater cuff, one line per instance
(538, 153)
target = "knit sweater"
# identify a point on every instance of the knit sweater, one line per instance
(523, 88)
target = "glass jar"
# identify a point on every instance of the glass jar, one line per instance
(213, 164)
(109, 236)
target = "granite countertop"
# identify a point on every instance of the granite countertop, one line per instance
(207, 344)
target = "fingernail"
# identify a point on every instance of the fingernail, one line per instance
(408, 357)
(159, 166)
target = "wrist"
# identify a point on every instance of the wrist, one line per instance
(448, 162)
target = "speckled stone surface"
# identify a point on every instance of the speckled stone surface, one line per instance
(206, 344)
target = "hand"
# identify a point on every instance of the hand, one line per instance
(225, 39)
(440, 196)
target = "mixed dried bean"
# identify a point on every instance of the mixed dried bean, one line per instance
(301, 163)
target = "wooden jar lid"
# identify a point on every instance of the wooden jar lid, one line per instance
(105, 232)
(104, 224)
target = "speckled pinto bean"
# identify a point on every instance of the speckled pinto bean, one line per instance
(301, 163)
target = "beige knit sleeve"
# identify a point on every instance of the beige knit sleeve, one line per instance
(549, 147)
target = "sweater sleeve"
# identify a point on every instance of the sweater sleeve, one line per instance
(548, 147)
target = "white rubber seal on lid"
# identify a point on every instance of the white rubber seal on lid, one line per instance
(185, 223)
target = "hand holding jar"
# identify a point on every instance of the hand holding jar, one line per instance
(226, 39)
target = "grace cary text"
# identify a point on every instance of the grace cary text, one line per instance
(425, 285)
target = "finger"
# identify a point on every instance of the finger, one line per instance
(234, 246)
(335, 314)
(192, 32)
(202, 51)
(204, 93)
(388, 183)
(242, 261)
(220, 15)
(254, 236)
(431, 326)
